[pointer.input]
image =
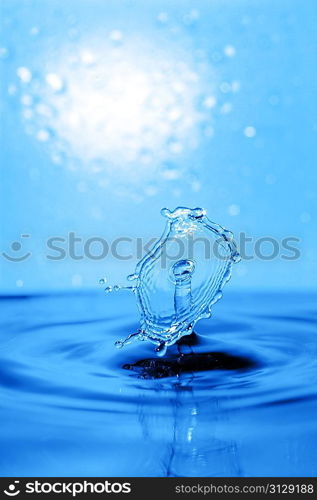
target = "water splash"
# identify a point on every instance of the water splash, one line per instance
(178, 280)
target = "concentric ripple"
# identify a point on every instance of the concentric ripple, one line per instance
(238, 398)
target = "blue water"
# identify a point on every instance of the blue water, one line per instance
(239, 399)
(174, 292)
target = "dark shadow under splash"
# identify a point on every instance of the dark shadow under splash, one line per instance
(181, 363)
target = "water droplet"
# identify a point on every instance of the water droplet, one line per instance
(54, 81)
(132, 277)
(42, 135)
(249, 132)
(175, 114)
(161, 349)
(235, 86)
(229, 50)
(87, 57)
(24, 74)
(210, 102)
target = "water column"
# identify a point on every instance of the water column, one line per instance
(182, 273)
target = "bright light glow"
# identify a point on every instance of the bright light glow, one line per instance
(121, 109)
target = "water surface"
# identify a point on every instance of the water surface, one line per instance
(239, 399)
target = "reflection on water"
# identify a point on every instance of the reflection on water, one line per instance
(237, 398)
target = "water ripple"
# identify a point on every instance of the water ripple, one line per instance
(200, 409)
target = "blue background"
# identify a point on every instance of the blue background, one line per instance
(111, 110)
(256, 60)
